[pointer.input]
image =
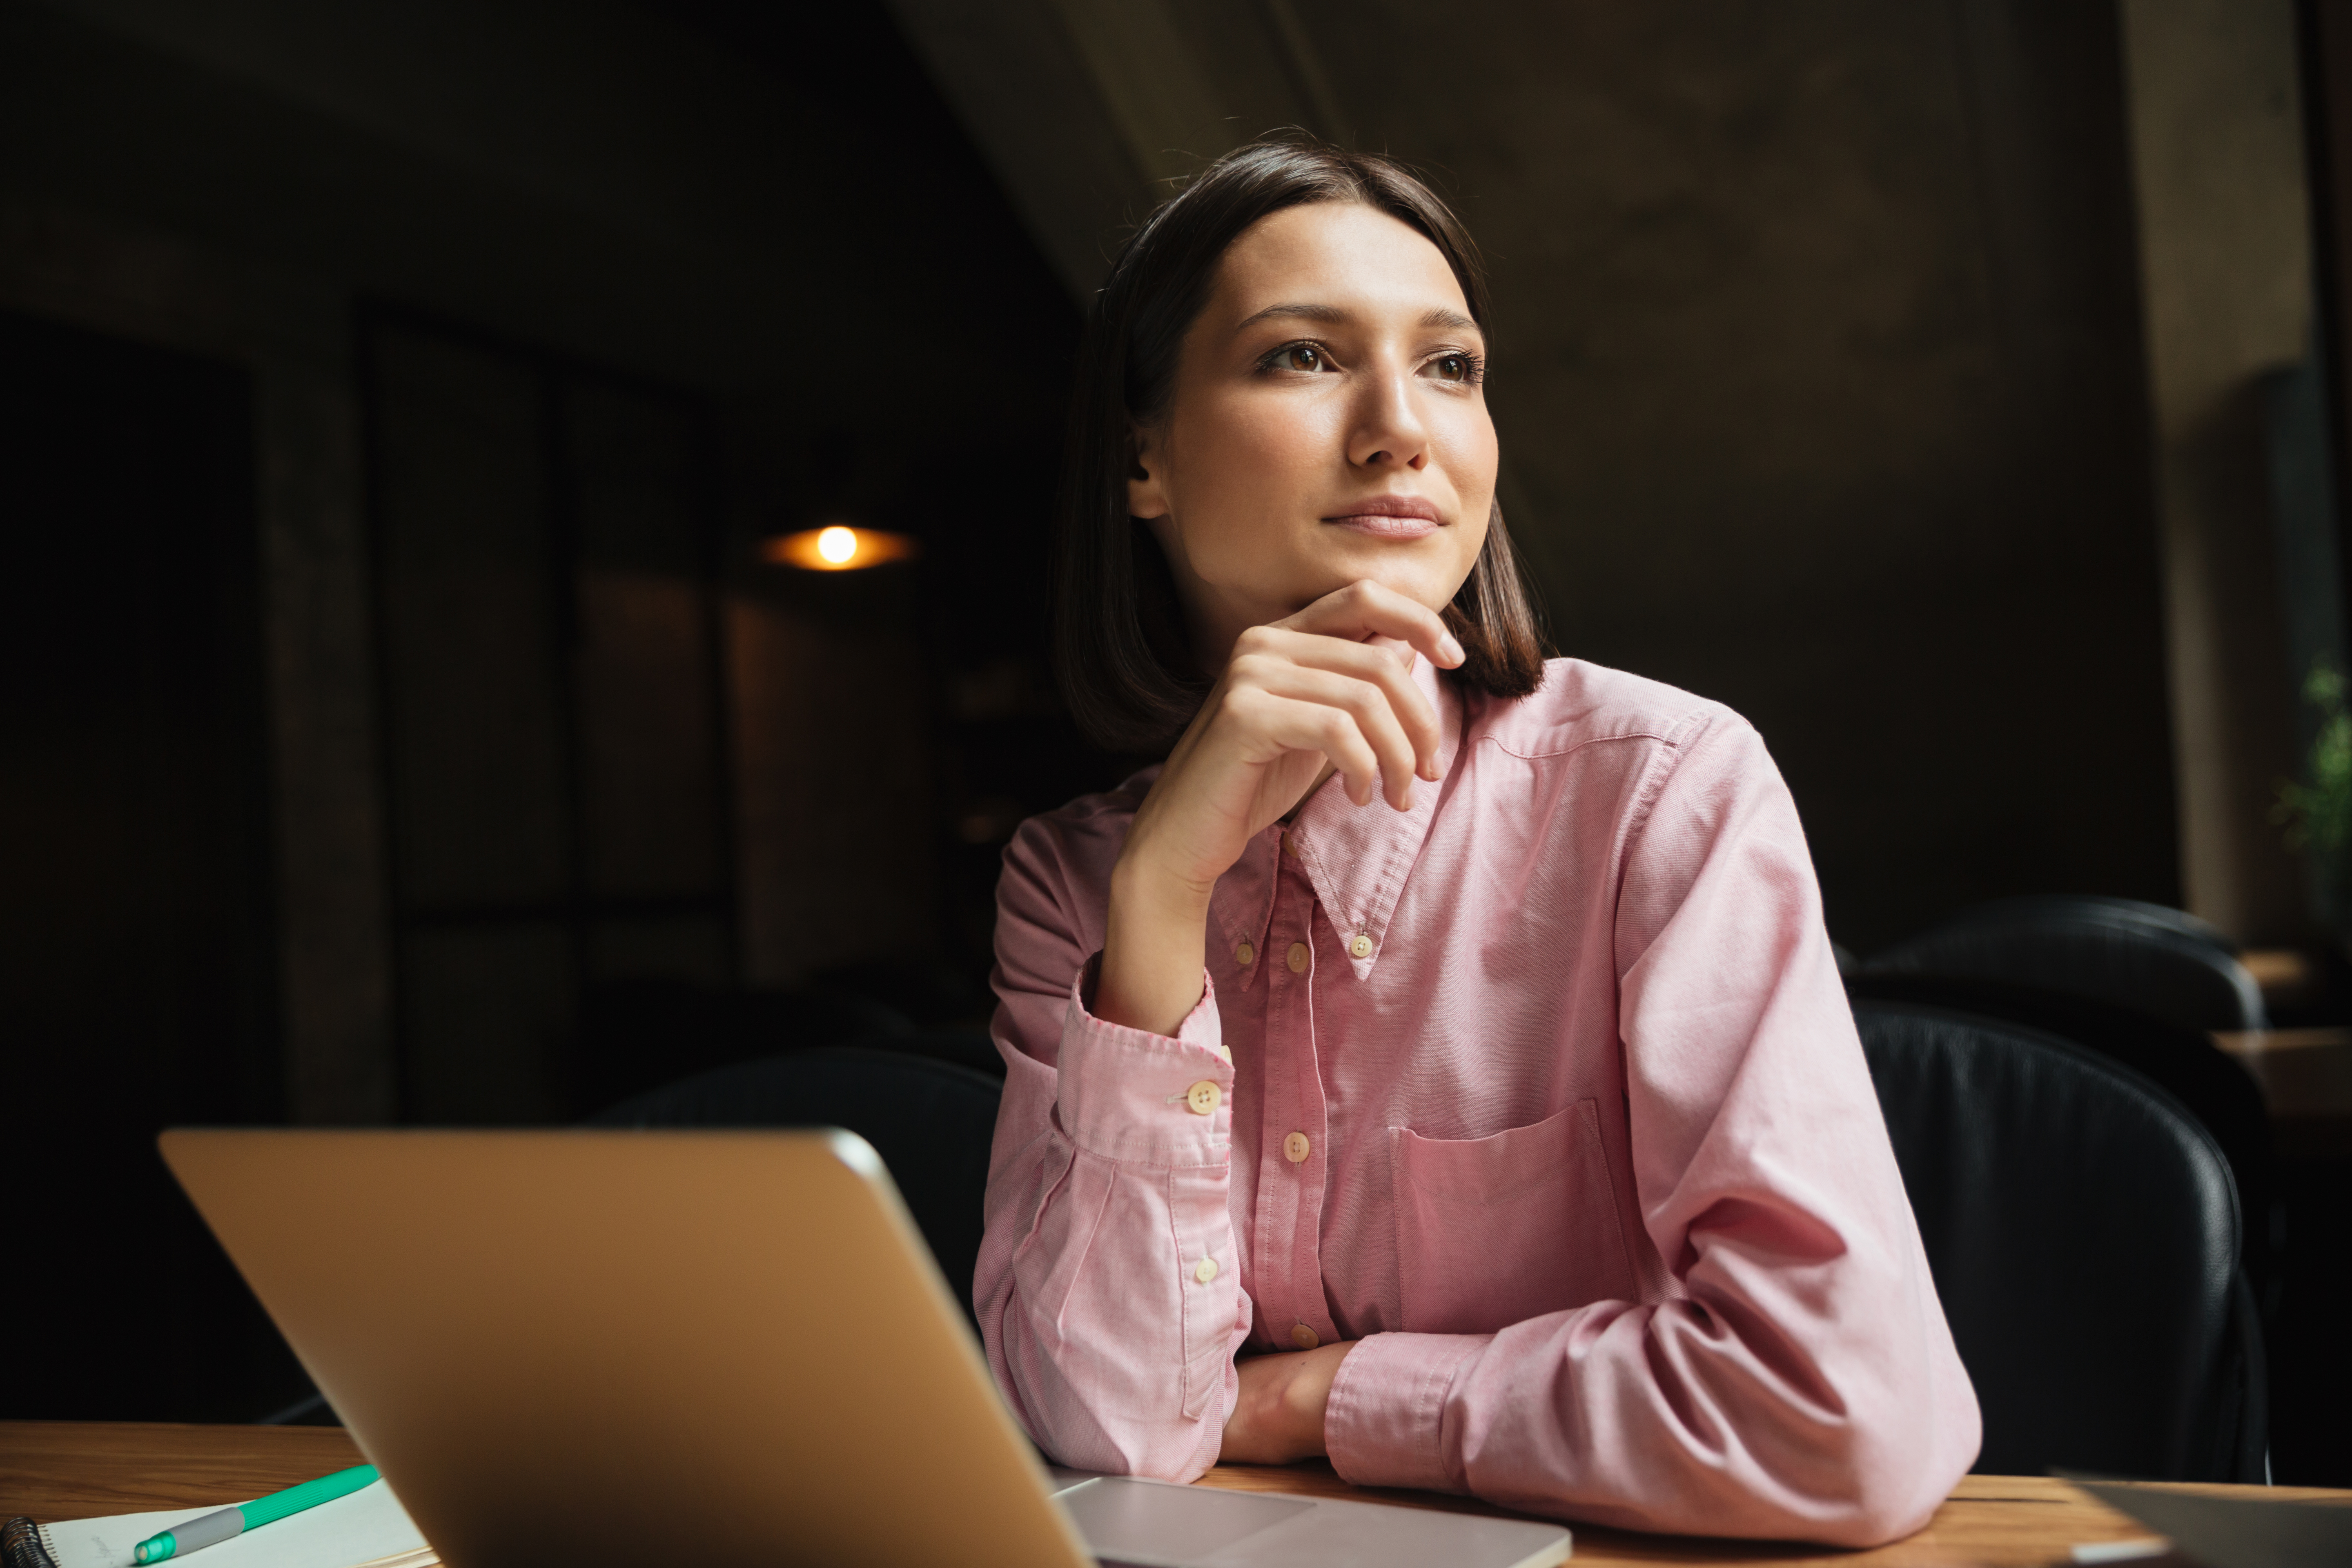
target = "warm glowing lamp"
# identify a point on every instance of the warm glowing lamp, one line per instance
(838, 547)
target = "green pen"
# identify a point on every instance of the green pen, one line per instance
(213, 1529)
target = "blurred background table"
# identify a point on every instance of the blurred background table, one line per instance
(2306, 1080)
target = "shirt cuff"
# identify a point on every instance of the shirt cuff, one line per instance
(1385, 1423)
(1141, 1098)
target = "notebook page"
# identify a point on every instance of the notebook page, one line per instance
(368, 1525)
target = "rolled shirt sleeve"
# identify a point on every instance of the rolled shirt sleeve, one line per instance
(1797, 1379)
(1108, 1287)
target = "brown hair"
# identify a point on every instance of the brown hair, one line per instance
(1120, 646)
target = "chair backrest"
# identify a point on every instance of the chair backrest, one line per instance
(930, 1121)
(2185, 1063)
(2158, 961)
(2084, 1232)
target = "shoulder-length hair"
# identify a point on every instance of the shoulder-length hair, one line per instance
(1121, 647)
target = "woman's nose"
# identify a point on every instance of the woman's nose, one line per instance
(1389, 431)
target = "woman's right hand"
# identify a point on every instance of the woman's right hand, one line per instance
(1328, 689)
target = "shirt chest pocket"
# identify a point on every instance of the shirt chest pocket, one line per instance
(1493, 1231)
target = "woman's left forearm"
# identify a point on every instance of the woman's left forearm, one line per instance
(1279, 1417)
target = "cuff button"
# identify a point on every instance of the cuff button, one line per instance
(1202, 1098)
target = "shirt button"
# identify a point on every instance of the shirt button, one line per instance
(1295, 1148)
(1244, 954)
(1202, 1097)
(1297, 958)
(1304, 1338)
(1362, 947)
(1205, 1270)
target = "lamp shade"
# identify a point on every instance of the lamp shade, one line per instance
(839, 548)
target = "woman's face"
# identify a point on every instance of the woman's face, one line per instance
(1327, 424)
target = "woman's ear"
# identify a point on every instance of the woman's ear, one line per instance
(1146, 497)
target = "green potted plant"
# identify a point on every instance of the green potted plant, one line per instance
(2316, 810)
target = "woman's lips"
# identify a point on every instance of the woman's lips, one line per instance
(1390, 517)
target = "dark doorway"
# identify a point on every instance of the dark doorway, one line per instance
(555, 719)
(136, 971)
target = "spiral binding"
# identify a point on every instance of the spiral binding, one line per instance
(21, 1545)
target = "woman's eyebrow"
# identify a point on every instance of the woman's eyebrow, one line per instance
(1438, 316)
(1326, 313)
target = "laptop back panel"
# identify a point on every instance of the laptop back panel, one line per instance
(606, 1348)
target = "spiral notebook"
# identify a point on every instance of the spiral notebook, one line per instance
(369, 1528)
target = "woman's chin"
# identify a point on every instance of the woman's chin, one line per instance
(1428, 570)
(1430, 590)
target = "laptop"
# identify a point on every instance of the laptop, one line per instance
(608, 1348)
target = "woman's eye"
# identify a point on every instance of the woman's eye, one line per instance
(1302, 356)
(1453, 367)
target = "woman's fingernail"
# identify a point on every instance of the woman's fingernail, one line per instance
(1453, 649)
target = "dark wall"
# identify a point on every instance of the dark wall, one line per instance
(594, 313)
(1820, 380)
(958, 445)
(135, 939)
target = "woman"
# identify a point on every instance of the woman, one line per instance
(1447, 1073)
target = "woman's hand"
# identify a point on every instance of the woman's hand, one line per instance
(1330, 687)
(1280, 1416)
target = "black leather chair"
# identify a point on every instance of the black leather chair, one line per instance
(930, 1121)
(2185, 1063)
(2085, 1236)
(2155, 960)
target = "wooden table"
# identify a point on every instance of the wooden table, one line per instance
(54, 1470)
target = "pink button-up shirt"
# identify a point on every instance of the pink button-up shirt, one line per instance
(1546, 1090)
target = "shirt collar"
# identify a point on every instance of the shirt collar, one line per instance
(1356, 858)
